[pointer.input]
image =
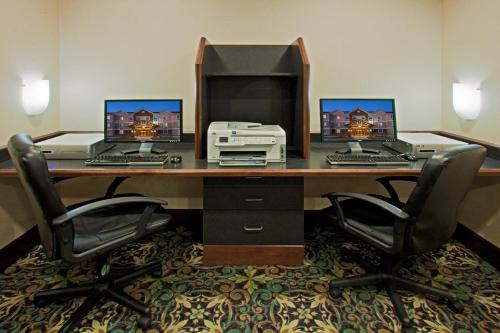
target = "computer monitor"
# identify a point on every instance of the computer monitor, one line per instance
(358, 120)
(143, 120)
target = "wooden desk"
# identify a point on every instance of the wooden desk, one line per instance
(316, 166)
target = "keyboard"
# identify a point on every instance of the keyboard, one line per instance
(128, 160)
(360, 159)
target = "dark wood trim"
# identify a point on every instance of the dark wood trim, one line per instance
(201, 51)
(199, 99)
(483, 248)
(288, 255)
(19, 247)
(243, 172)
(492, 148)
(467, 139)
(305, 99)
(303, 53)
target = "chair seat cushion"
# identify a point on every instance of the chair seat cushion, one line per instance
(105, 225)
(366, 212)
(369, 222)
(381, 235)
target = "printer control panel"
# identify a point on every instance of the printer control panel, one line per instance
(245, 140)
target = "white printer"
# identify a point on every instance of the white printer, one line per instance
(422, 145)
(245, 144)
(74, 146)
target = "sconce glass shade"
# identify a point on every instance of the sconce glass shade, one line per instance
(466, 101)
(36, 95)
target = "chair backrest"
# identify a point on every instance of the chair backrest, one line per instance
(32, 169)
(445, 180)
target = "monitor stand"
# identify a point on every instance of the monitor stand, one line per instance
(355, 148)
(145, 148)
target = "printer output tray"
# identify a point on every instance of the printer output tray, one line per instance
(243, 158)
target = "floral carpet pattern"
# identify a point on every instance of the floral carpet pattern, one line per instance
(192, 298)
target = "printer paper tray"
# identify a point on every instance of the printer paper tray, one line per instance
(243, 159)
(243, 163)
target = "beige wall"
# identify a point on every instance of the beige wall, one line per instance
(29, 49)
(180, 192)
(480, 211)
(15, 212)
(471, 54)
(135, 49)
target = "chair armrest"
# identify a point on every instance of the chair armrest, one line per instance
(386, 183)
(102, 204)
(368, 198)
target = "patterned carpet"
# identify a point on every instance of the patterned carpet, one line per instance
(193, 298)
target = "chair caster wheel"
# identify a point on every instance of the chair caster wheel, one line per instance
(335, 292)
(157, 274)
(40, 302)
(344, 255)
(456, 306)
(144, 322)
(409, 330)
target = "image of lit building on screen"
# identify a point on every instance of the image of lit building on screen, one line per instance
(357, 124)
(143, 125)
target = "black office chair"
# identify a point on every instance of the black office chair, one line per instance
(84, 231)
(425, 222)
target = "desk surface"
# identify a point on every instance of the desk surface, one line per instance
(191, 167)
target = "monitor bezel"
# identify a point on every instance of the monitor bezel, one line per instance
(181, 111)
(358, 140)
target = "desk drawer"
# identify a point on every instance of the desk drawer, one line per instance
(254, 198)
(253, 227)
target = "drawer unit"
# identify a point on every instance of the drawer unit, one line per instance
(264, 227)
(253, 220)
(253, 197)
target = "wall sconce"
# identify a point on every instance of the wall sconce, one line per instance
(36, 95)
(466, 100)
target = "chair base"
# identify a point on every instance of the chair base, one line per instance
(104, 288)
(390, 282)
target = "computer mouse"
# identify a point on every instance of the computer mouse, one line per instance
(409, 157)
(175, 159)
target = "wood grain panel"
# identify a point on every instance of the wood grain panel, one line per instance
(305, 99)
(258, 255)
(198, 137)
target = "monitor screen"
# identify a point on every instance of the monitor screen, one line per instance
(358, 119)
(145, 120)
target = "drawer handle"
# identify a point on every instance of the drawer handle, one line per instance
(253, 177)
(254, 199)
(253, 229)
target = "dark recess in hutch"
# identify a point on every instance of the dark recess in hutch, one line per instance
(268, 84)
